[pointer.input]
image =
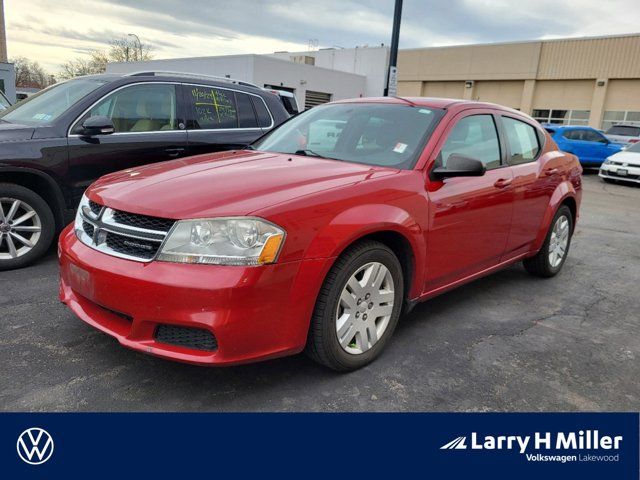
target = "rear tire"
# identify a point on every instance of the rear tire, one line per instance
(553, 253)
(358, 307)
(27, 226)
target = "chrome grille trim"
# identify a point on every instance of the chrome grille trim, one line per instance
(105, 226)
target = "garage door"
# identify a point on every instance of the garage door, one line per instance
(312, 99)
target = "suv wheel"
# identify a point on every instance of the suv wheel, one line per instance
(358, 307)
(26, 226)
(551, 257)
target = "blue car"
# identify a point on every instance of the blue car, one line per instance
(588, 144)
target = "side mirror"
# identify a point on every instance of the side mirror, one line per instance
(459, 166)
(98, 125)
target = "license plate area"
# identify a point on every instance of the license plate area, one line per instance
(623, 172)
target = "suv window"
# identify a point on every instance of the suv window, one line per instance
(264, 118)
(146, 107)
(522, 140)
(591, 136)
(246, 115)
(212, 108)
(476, 137)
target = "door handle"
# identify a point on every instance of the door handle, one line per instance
(174, 151)
(550, 171)
(503, 183)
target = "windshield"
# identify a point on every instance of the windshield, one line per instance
(635, 147)
(624, 130)
(47, 105)
(373, 134)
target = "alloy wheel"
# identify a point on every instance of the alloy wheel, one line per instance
(559, 241)
(365, 308)
(20, 228)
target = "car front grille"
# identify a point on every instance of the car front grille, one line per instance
(195, 338)
(123, 234)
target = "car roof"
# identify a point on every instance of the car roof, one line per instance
(431, 102)
(176, 77)
(554, 126)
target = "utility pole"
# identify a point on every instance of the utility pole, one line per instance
(392, 74)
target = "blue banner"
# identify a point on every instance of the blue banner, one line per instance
(424, 445)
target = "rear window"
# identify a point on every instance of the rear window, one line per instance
(212, 108)
(624, 130)
(264, 118)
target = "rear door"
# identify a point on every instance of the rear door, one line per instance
(222, 118)
(149, 127)
(534, 180)
(470, 217)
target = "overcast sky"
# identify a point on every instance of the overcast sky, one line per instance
(52, 32)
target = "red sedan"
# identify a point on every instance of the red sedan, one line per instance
(321, 234)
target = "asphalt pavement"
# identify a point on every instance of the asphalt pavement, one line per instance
(507, 342)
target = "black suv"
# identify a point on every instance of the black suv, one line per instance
(57, 142)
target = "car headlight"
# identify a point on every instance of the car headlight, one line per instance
(83, 207)
(223, 241)
(607, 161)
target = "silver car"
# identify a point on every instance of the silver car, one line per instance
(624, 133)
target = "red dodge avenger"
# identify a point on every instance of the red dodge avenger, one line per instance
(319, 235)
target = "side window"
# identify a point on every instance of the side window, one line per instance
(246, 115)
(139, 108)
(212, 108)
(522, 141)
(591, 136)
(476, 137)
(264, 118)
(571, 135)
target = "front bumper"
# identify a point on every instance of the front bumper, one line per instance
(608, 170)
(254, 313)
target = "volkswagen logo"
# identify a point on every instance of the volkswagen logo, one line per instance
(35, 446)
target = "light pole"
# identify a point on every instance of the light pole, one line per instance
(139, 44)
(392, 74)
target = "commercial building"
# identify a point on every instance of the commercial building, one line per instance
(314, 77)
(584, 81)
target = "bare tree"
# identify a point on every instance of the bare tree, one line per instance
(30, 74)
(123, 50)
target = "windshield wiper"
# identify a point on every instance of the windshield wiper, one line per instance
(249, 147)
(311, 153)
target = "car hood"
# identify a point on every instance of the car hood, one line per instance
(11, 132)
(632, 158)
(222, 184)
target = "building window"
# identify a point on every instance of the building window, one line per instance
(612, 118)
(563, 117)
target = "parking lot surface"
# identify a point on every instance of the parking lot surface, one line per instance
(505, 342)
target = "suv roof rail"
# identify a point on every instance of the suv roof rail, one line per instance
(191, 75)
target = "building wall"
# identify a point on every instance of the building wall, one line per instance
(368, 61)
(598, 76)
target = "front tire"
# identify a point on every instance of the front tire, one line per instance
(551, 257)
(358, 307)
(27, 226)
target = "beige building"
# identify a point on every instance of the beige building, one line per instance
(594, 81)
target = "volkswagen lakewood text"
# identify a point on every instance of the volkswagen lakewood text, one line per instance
(320, 234)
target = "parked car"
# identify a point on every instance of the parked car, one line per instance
(588, 144)
(54, 144)
(288, 100)
(623, 166)
(624, 134)
(247, 255)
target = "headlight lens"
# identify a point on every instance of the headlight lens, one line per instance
(84, 206)
(607, 161)
(223, 241)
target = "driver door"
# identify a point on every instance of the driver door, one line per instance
(470, 217)
(149, 127)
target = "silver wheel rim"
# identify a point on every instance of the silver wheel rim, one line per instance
(559, 241)
(365, 308)
(20, 228)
